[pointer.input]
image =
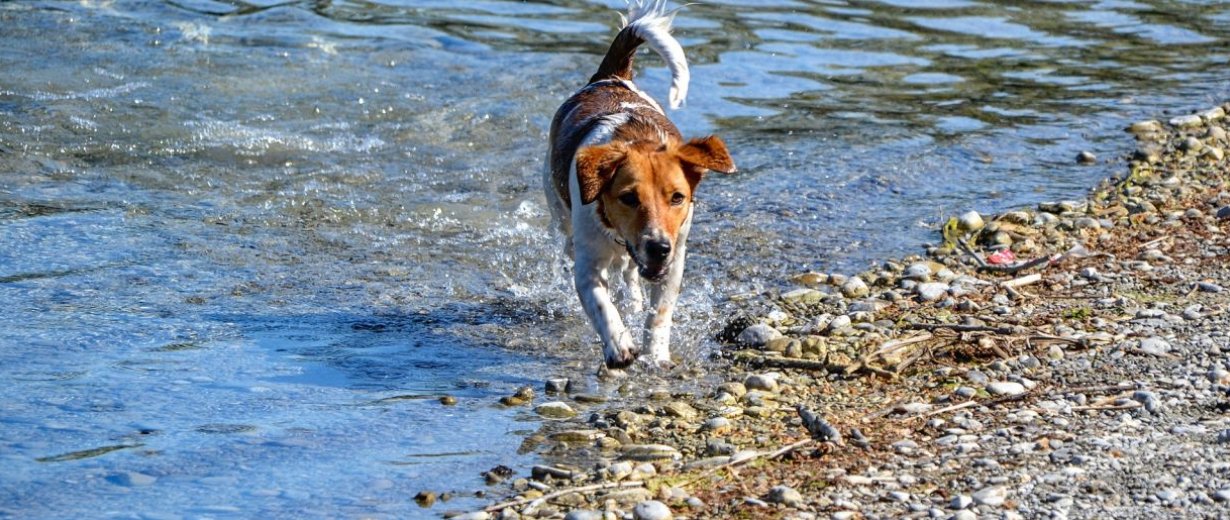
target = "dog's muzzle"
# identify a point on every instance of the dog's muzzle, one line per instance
(656, 261)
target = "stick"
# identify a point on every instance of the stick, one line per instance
(771, 455)
(945, 409)
(962, 328)
(1022, 281)
(562, 492)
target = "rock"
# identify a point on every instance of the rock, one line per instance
(1213, 153)
(733, 388)
(1190, 144)
(764, 382)
(929, 292)
(1223, 436)
(838, 323)
(717, 425)
(582, 514)
(918, 272)
(651, 510)
(425, 498)
(964, 514)
(1223, 213)
(1086, 157)
(1145, 127)
(965, 391)
(1212, 114)
(1188, 120)
(1155, 345)
(970, 221)
(1005, 388)
(132, 479)
(993, 496)
(478, 515)
(960, 502)
(448, 400)
(758, 335)
(681, 410)
(555, 410)
(650, 452)
(785, 495)
(802, 296)
(855, 287)
(1209, 287)
(1222, 495)
(557, 386)
(1086, 223)
(577, 435)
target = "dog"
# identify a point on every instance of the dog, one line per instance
(620, 182)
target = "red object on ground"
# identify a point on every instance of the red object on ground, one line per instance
(1003, 256)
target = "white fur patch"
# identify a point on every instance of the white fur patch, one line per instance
(652, 22)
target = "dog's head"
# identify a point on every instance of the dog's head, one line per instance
(644, 191)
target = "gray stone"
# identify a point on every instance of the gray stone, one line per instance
(964, 514)
(929, 292)
(1222, 495)
(1191, 144)
(1145, 127)
(970, 221)
(1155, 345)
(764, 382)
(993, 496)
(581, 514)
(1005, 388)
(555, 386)
(717, 425)
(757, 335)
(965, 391)
(919, 272)
(785, 495)
(1086, 157)
(961, 502)
(1209, 287)
(651, 510)
(855, 287)
(1223, 213)
(838, 323)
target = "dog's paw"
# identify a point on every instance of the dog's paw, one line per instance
(622, 359)
(665, 365)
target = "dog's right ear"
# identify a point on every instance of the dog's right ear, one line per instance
(596, 167)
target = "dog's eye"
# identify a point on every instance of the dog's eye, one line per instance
(677, 199)
(629, 199)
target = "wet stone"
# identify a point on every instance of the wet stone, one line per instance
(1086, 157)
(1187, 120)
(555, 410)
(758, 335)
(855, 287)
(991, 496)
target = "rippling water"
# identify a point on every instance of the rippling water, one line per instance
(243, 245)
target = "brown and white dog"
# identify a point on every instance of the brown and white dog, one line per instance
(620, 180)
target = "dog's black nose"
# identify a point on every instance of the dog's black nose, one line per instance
(658, 249)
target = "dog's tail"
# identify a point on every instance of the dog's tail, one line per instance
(648, 22)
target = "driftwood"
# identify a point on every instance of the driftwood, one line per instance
(562, 492)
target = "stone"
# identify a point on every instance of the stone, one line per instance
(448, 400)
(555, 410)
(1212, 114)
(965, 391)
(1190, 144)
(1222, 495)
(1145, 127)
(1187, 120)
(1209, 287)
(964, 514)
(1005, 388)
(556, 386)
(733, 388)
(758, 335)
(918, 272)
(855, 287)
(993, 496)
(1213, 153)
(651, 510)
(718, 425)
(929, 292)
(961, 502)
(1086, 157)
(582, 514)
(132, 479)
(649, 452)
(970, 221)
(1155, 345)
(1223, 213)
(838, 323)
(764, 382)
(785, 495)
(681, 410)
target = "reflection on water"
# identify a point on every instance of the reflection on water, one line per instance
(248, 242)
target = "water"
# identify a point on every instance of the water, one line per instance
(244, 245)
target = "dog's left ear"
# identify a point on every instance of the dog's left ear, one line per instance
(596, 167)
(703, 154)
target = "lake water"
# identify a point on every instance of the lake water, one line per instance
(244, 245)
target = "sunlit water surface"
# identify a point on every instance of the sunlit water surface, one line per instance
(245, 245)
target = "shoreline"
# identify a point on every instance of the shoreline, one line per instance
(1058, 380)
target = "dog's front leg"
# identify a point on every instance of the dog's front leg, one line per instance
(592, 276)
(662, 298)
(633, 300)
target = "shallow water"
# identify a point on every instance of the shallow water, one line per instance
(244, 245)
